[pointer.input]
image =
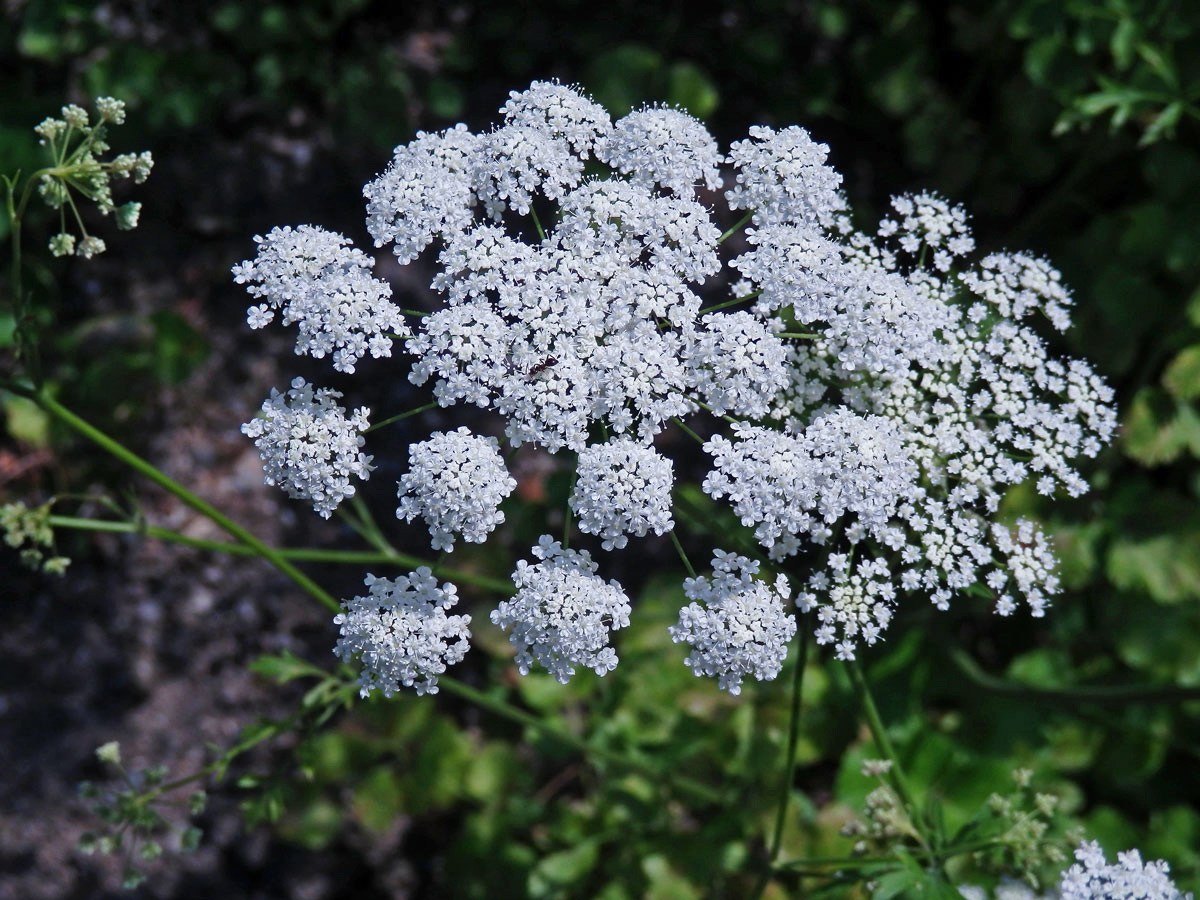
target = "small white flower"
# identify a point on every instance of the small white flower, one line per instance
(1093, 878)
(456, 482)
(402, 634)
(741, 629)
(309, 447)
(622, 488)
(563, 613)
(325, 286)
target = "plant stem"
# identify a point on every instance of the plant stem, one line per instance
(789, 768)
(884, 743)
(687, 563)
(678, 421)
(1117, 694)
(403, 415)
(569, 514)
(728, 303)
(131, 459)
(296, 554)
(502, 708)
(736, 228)
(799, 335)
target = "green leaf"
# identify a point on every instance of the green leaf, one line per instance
(1182, 377)
(666, 883)
(1158, 59)
(563, 869)
(1164, 124)
(690, 87)
(1157, 430)
(284, 668)
(379, 799)
(1166, 567)
(189, 840)
(1123, 44)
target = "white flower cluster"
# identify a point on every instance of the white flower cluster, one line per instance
(402, 634)
(1093, 878)
(622, 488)
(456, 482)
(562, 613)
(741, 629)
(738, 365)
(596, 320)
(886, 390)
(663, 147)
(789, 485)
(325, 286)
(940, 361)
(309, 447)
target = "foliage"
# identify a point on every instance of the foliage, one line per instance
(991, 103)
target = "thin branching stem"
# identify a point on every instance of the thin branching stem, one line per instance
(391, 420)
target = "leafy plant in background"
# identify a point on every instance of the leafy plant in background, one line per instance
(1132, 62)
(881, 395)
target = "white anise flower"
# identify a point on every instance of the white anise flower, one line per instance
(563, 613)
(927, 219)
(591, 325)
(664, 147)
(562, 111)
(741, 629)
(1093, 878)
(674, 233)
(782, 177)
(456, 483)
(1018, 284)
(425, 193)
(308, 445)
(622, 488)
(401, 633)
(738, 365)
(788, 485)
(321, 283)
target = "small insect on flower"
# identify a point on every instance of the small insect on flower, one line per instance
(542, 366)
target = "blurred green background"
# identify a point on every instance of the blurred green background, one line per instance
(1066, 128)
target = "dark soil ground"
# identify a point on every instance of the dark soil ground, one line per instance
(144, 642)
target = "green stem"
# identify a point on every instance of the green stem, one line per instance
(792, 743)
(789, 768)
(221, 763)
(296, 554)
(537, 223)
(401, 416)
(799, 335)
(736, 228)
(506, 710)
(728, 303)
(374, 534)
(135, 462)
(842, 862)
(569, 515)
(678, 421)
(1121, 694)
(687, 563)
(884, 743)
(728, 418)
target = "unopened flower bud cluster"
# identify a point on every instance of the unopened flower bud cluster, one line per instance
(886, 389)
(76, 146)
